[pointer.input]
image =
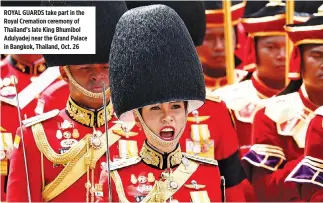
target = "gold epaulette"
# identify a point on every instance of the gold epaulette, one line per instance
(201, 159)
(122, 163)
(40, 118)
(282, 108)
(319, 111)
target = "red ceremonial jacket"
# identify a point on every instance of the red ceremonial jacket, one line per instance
(278, 139)
(63, 153)
(189, 179)
(308, 173)
(210, 133)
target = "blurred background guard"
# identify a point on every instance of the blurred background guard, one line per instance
(265, 53)
(212, 52)
(156, 76)
(64, 148)
(279, 130)
(308, 40)
(32, 78)
(25, 68)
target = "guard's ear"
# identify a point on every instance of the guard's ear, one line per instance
(63, 74)
(138, 124)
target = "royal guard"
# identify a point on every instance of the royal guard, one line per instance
(156, 79)
(128, 145)
(59, 156)
(308, 172)
(309, 37)
(265, 54)
(212, 52)
(279, 129)
(25, 75)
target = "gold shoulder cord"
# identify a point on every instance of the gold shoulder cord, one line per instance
(45, 148)
(83, 163)
(47, 192)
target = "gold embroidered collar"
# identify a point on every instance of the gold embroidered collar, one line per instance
(161, 160)
(88, 117)
(35, 68)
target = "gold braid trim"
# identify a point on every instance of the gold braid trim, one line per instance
(51, 155)
(47, 193)
(181, 175)
(151, 156)
(88, 117)
(77, 167)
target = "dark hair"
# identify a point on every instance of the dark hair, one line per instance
(293, 86)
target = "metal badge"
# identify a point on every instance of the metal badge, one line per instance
(68, 143)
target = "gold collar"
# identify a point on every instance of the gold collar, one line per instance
(88, 117)
(160, 160)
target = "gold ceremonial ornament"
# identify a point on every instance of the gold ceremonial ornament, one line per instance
(95, 140)
(151, 177)
(133, 179)
(75, 133)
(194, 185)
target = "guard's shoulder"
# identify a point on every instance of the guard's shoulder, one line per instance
(201, 159)
(57, 86)
(237, 87)
(40, 118)
(238, 95)
(122, 163)
(215, 98)
(319, 111)
(9, 101)
(283, 101)
(282, 108)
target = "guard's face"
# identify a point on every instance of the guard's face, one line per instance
(165, 119)
(212, 52)
(271, 57)
(91, 76)
(312, 71)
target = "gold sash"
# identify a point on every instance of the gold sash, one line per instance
(180, 176)
(76, 167)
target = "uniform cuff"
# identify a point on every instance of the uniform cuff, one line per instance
(269, 157)
(309, 170)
